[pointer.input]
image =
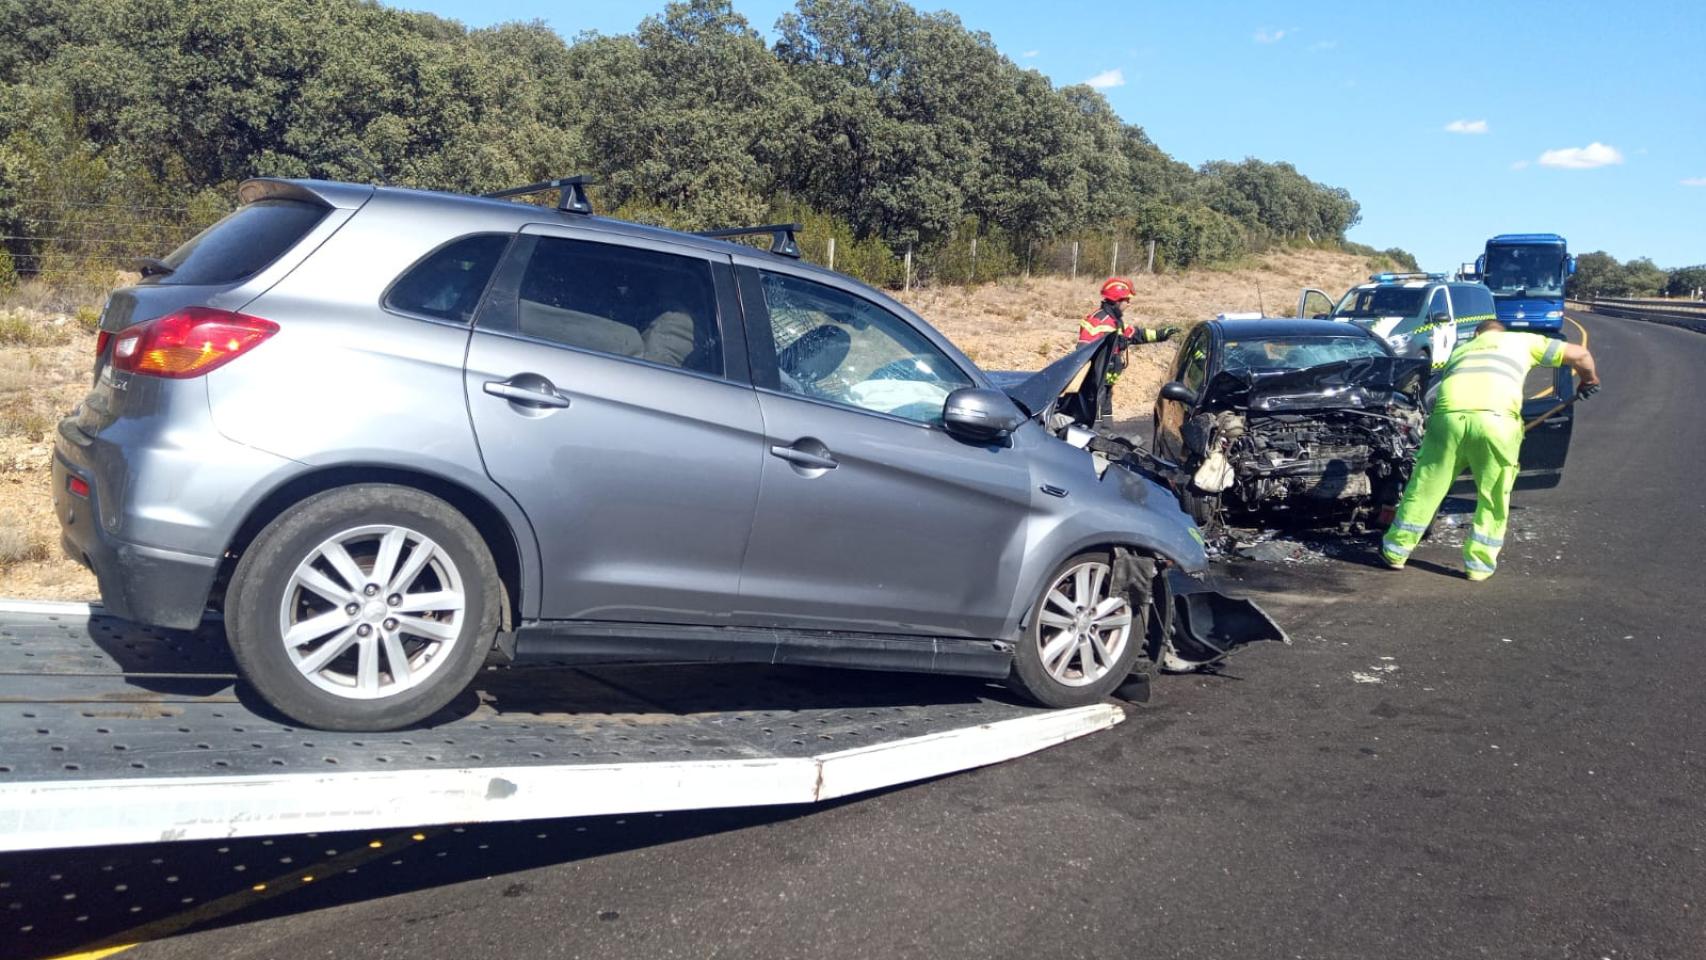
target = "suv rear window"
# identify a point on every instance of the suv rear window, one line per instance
(447, 282)
(243, 243)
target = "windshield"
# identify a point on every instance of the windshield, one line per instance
(1374, 302)
(1525, 271)
(1295, 353)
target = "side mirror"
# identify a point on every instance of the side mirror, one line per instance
(1572, 265)
(1178, 392)
(1439, 316)
(979, 415)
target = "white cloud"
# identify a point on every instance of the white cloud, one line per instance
(1265, 35)
(1595, 154)
(1694, 182)
(1028, 54)
(1324, 45)
(1520, 165)
(1108, 79)
(1466, 126)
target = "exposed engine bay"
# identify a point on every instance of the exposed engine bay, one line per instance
(1332, 443)
(1331, 464)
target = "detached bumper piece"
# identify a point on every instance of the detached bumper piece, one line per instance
(1207, 625)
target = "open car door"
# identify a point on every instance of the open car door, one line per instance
(1315, 304)
(1545, 447)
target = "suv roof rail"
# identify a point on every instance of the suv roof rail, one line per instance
(782, 240)
(571, 196)
(1384, 277)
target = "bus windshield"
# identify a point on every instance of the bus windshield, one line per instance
(1526, 271)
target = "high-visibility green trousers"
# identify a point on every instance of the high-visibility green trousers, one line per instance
(1488, 444)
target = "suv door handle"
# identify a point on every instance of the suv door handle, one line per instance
(543, 396)
(803, 458)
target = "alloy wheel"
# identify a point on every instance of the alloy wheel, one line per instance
(372, 612)
(1082, 627)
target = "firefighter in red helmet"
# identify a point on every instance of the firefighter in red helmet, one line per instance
(1109, 318)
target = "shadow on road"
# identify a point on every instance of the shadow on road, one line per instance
(57, 902)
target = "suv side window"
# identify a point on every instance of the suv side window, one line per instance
(831, 345)
(447, 282)
(623, 301)
(1193, 358)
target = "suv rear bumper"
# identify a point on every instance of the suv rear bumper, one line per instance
(151, 585)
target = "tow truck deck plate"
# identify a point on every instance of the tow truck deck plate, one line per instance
(116, 733)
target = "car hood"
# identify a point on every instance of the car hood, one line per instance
(1366, 383)
(1035, 392)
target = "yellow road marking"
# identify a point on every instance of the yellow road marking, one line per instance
(1577, 324)
(95, 954)
(242, 899)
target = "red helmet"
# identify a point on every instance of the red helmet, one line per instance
(1116, 289)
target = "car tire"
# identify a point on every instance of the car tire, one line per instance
(408, 647)
(1064, 634)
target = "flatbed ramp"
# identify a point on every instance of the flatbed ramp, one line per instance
(111, 733)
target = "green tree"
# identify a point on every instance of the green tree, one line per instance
(1685, 281)
(1597, 274)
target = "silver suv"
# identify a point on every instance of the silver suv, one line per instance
(391, 434)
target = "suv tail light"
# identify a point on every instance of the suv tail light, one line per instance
(101, 344)
(188, 342)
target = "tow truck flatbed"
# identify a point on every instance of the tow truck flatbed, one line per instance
(116, 734)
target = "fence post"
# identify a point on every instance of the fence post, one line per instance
(1114, 264)
(1075, 259)
(973, 259)
(907, 283)
(1151, 266)
(1029, 244)
(831, 253)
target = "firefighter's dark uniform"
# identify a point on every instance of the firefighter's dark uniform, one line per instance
(1109, 319)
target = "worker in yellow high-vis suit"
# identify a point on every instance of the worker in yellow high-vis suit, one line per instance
(1477, 422)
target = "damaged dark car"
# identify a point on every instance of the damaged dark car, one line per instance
(1306, 421)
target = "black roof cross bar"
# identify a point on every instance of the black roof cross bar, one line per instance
(571, 196)
(782, 240)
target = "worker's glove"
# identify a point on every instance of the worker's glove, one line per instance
(1111, 378)
(1586, 391)
(1167, 333)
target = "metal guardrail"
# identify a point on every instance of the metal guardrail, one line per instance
(1688, 314)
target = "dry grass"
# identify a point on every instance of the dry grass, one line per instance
(44, 372)
(1008, 325)
(1022, 325)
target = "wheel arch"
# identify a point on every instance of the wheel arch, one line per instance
(502, 539)
(1034, 578)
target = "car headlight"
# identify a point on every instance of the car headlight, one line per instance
(1554, 314)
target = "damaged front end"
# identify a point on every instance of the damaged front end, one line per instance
(1190, 623)
(1331, 443)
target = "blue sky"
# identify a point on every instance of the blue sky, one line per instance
(1448, 125)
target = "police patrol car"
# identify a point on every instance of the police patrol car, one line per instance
(1418, 314)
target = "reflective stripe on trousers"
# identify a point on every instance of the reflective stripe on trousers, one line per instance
(1485, 442)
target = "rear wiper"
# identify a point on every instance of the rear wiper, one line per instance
(152, 267)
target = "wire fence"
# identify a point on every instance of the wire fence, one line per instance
(59, 240)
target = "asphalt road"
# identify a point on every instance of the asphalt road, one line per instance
(1433, 768)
